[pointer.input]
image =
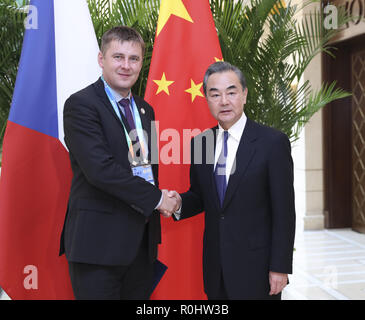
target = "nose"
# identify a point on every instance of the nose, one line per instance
(224, 99)
(125, 63)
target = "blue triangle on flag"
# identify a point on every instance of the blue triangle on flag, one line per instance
(34, 102)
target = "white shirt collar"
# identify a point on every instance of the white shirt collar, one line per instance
(237, 128)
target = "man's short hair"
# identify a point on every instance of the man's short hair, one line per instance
(121, 33)
(223, 66)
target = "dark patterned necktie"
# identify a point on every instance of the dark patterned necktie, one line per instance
(132, 126)
(220, 170)
(128, 113)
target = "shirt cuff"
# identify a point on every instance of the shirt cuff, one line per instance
(177, 213)
(158, 205)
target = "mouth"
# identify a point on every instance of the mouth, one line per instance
(123, 75)
(224, 112)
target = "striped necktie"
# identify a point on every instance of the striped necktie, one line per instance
(220, 170)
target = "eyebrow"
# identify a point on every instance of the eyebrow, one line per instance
(228, 88)
(123, 54)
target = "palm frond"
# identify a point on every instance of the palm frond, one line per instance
(11, 36)
(267, 42)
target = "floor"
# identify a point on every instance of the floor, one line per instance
(328, 265)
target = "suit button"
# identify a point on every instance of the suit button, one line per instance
(222, 216)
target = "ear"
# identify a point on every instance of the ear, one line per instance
(245, 95)
(100, 60)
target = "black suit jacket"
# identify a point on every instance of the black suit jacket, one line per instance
(253, 233)
(108, 207)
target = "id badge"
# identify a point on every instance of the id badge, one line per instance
(144, 171)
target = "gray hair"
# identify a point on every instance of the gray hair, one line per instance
(222, 66)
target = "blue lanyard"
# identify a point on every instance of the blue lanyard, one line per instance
(137, 118)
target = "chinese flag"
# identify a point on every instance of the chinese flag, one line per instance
(186, 44)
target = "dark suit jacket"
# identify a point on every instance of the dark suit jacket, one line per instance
(253, 233)
(108, 206)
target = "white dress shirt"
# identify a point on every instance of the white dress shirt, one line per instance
(117, 97)
(234, 138)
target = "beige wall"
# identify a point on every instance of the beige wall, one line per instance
(356, 25)
(308, 150)
(308, 155)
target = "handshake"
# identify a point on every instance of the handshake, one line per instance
(171, 203)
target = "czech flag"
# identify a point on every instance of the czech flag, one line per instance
(59, 57)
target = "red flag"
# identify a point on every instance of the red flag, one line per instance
(186, 44)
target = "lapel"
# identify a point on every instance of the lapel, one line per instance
(209, 167)
(100, 91)
(244, 155)
(146, 123)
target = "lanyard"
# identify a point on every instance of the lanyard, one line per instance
(137, 118)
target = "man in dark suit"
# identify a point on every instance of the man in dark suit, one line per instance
(112, 227)
(241, 175)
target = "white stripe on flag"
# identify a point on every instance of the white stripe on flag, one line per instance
(76, 52)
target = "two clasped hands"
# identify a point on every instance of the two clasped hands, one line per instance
(171, 203)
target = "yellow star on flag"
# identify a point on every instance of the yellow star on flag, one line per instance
(217, 59)
(280, 5)
(163, 84)
(194, 90)
(169, 7)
